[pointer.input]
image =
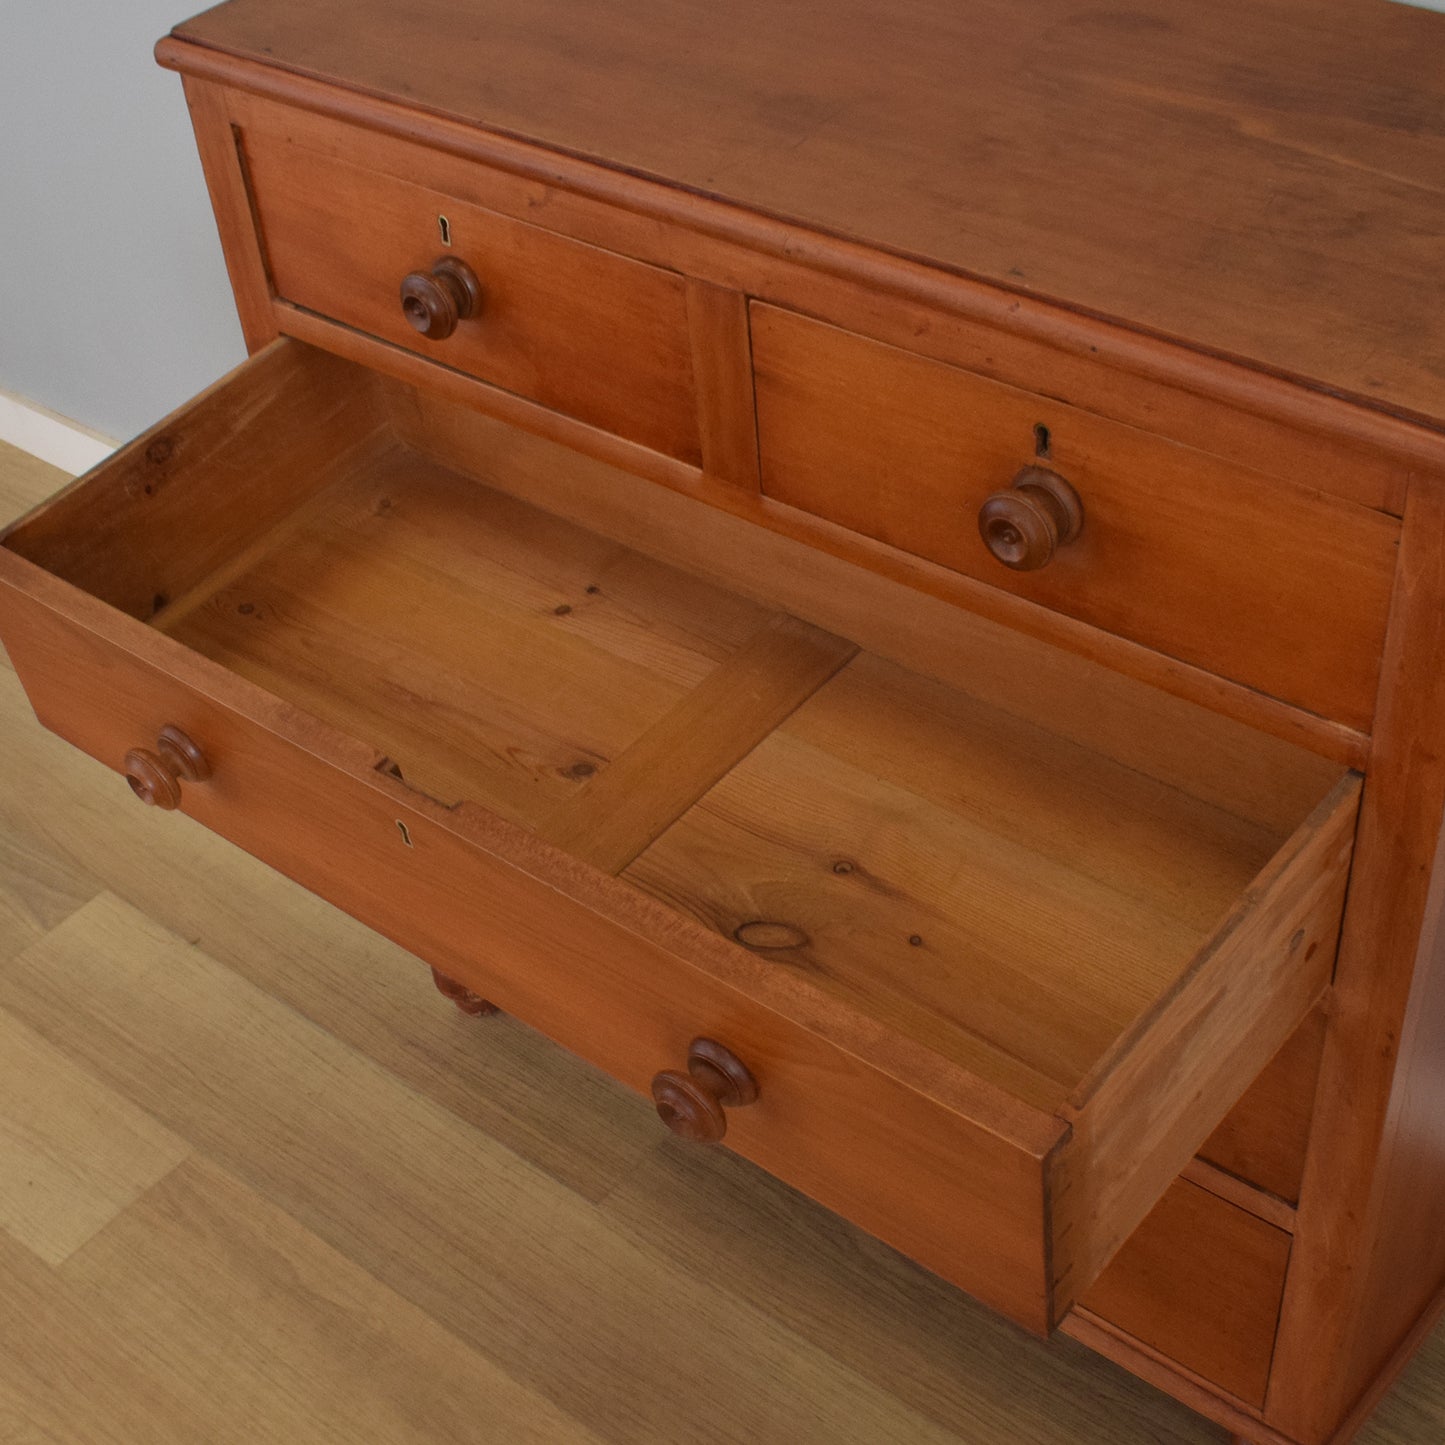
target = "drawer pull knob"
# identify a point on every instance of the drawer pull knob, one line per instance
(434, 301)
(1024, 526)
(156, 777)
(692, 1104)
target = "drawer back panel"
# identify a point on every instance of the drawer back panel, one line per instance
(1274, 585)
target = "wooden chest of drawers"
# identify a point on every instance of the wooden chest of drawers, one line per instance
(980, 759)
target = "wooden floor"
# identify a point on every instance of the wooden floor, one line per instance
(260, 1183)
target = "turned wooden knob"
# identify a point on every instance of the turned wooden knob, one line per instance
(156, 777)
(692, 1104)
(467, 1001)
(434, 301)
(1024, 526)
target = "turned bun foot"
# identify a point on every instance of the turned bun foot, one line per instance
(463, 997)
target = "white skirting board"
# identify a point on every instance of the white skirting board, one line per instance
(54, 439)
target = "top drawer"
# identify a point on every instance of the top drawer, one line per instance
(1279, 587)
(578, 329)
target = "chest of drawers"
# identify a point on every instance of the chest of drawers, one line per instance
(979, 759)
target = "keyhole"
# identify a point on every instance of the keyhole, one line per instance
(1042, 440)
(445, 227)
(405, 833)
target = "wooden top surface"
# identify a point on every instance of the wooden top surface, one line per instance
(1264, 179)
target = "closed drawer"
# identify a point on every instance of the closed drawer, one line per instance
(1276, 586)
(583, 331)
(995, 988)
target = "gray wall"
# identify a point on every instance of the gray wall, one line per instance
(114, 303)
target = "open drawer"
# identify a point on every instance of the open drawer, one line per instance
(995, 986)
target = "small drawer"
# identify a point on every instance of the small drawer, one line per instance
(1279, 587)
(580, 330)
(994, 988)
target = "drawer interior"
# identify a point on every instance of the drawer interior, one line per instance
(497, 655)
(919, 853)
(1006, 896)
(970, 878)
(997, 892)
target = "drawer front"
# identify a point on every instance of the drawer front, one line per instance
(576, 955)
(580, 330)
(1276, 586)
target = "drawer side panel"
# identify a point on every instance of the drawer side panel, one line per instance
(1150, 1105)
(1265, 1136)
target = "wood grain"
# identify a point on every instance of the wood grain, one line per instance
(907, 451)
(42, 598)
(34, 895)
(579, 330)
(1227, 410)
(1144, 1111)
(1369, 1254)
(371, 595)
(921, 856)
(470, 1234)
(1330, 158)
(73, 1154)
(530, 654)
(63, 1376)
(132, 1333)
(1200, 1281)
(67, 835)
(722, 362)
(69, 832)
(155, 519)
(820, 538)
(644, 790)
(1265, 1137)
(710, 1212)
(586, 959)
(140, 1332)
(1155, 135)
(219, 145)
(922, 617)
(1005, 1165)
(341, 1351)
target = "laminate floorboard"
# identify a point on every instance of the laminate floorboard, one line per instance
(73, 1154)
(259, 1182)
